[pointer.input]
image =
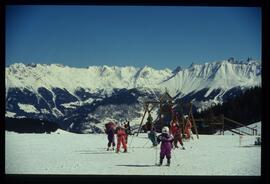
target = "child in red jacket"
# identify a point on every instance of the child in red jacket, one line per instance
(176, 133)
(121, 139)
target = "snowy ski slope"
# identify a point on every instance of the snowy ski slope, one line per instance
(85, 154)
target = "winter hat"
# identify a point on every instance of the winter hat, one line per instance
(165, 130)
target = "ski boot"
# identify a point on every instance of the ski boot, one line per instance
(154, 145)
(168, 162)
(125, 151)
(183, 148)
(108, 149)
(160, 162)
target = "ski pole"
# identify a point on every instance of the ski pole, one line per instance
(156, 154)
(145, 143)
(131, 140)
(175, 158)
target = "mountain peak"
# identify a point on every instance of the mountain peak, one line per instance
(197, 76)
(146, 67)
(177, 69)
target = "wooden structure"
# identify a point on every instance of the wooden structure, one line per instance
(165, 105)
(219, 121)
(253, 130)
(165, 109)
(148, 107)
(193, 120)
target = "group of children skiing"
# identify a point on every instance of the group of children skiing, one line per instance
(122, 132)
(175, 131)
(169, 137)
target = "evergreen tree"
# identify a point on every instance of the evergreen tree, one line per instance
(245, 108)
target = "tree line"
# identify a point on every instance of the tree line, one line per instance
(27, 125)
(245, 108)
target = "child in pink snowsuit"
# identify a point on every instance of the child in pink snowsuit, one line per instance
(166, 146)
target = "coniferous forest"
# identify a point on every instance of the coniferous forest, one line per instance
(27, 125)
(245, 108)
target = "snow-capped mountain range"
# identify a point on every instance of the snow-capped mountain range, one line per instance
(83, 96)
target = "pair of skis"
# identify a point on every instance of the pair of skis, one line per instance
(168, 165)
(116, 152)
(165, 165)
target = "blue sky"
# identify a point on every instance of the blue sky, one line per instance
(156, 36)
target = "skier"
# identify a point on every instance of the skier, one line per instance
(110, 132)
(121, 139)
(175, 130)
(127, 127)
(166, 145)
(149, 122)
(127, 130)
(188, 127)
(152, 135)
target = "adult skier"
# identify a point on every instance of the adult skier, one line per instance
(121, 139)
(175, 130)
(152, 135)
(110, 132)
(166, 145)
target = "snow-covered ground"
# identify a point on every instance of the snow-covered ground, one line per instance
(67, 153)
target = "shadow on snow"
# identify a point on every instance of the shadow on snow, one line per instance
(136, 165)
(94, 152)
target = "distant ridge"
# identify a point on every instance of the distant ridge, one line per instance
(83, 99)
